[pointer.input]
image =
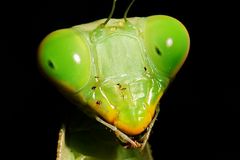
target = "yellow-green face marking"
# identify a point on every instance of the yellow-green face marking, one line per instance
(118, 71)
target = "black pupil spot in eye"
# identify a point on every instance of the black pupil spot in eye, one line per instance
(50, 64)
(158, 51)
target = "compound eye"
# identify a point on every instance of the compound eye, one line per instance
(64, 58)
(167, 42)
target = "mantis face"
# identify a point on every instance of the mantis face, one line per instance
(117, 71)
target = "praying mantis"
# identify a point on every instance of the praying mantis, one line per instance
(115, 71)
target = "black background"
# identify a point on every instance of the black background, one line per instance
(192, 122)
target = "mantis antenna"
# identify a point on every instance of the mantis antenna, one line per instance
(113, 8)
(111, 13)
(126, 12)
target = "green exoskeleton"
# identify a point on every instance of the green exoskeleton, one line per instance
(116, 70)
